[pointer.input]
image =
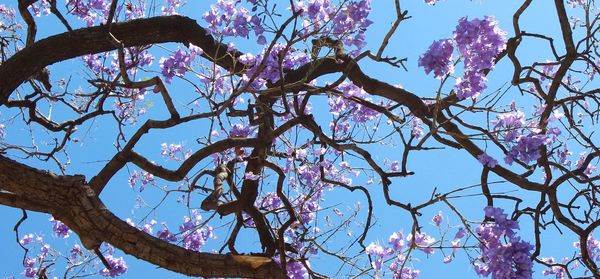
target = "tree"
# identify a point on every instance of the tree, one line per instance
(274, 129)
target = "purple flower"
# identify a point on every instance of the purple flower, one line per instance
(377, 252)
(423, 241)
(296, 270)
(487, 161)
(165, 234)
(478, 42)
(590, 169)
(251, 176)
(30, 271)
(240, 131)
(194, 235)
(147, 228)
(175, 65)
(416, 127)
(171, 6)
(527, 148)
(271, 70)
(27, 239)
(171, 151)
(346, 105)
(460, 233)
(510, 259)
(554, 270)
(75, 252)
(60, 229)
(6, 11)
(438, 58)
(117, 267)
(509, 124)
(593, 248)
(397, 241)
(438, 219)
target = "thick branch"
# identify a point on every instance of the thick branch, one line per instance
(72, 201)
(17, 69)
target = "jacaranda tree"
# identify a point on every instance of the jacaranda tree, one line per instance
(268, 125)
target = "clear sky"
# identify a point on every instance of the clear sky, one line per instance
(443, 170)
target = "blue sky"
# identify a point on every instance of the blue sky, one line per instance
(442, 169)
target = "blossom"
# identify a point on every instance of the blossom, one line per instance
(460, 233)
(30, 269)
(59, 228)
(27, 239)
(438, 58)
(75, 252)
(169, 9)
(251, 176)
(487, 160)
(503, 260)
(378, 253)
(558, 271)
(240, 131)
(397, 241)
(478, 42)
(422, 241)
(437, 219)
(346, 103)
(165, 234)
(175, 65)
(416, 127)
(117, 267)
(194, 236)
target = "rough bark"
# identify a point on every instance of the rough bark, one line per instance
(71, 200)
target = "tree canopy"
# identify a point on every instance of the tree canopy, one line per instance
(292, 135)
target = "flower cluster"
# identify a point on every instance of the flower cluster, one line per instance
(395, 251)
(227, 19)
(348, 23)
(193, 233)
(127, 106)
(117, 266)
(170, 8)
(239, 130)
(30, 268)
(347, 106)
(175, 65)
(165, 234)
(478, 42)
(524, 139)
(589, 169)
(487, 160)
(40, 8)
(502, 260)
(353, 18)
(438, 58)
(593, 248)
(42, 259)
(270, 71)
(7, 12)
(59, 228)
(558, 271)
(416, 127)
(90, 11)
(174, 151)
(144, 177)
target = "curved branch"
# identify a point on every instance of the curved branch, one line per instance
(72, 201)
